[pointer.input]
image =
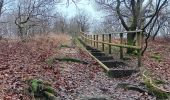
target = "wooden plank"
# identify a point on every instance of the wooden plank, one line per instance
(103, 43)
(110, 40)
(118, 45)
(121, 49)
(94, 40)
(91, 40)
(114, 32)
(100, 63)
(97, 44)
(115, 73)
(121, 45)
(139, 50)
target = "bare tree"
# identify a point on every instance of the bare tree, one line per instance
(134, 14)
(1, 6)
(83, 19)
(31, 13)
(61, 24)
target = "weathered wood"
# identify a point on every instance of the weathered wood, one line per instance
(114, 64)
(91, 40)
(124, 32)
(116, 73)
(103, 43)
(104, 58)
(94, 38)
(88, 41)
(94, 50)
(85, 38)
(110, 40)
(102, 65)
(139, 58)
(97, 53)
(121, 49)
(139, 50)
(88, 47)
(97, 44)
(118, 45)
(121, 45)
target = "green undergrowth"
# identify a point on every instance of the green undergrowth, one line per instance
(78, 43)
(109, 74)
(134, 53)
(157, 57)
(42, 90)
(65, 46)
(52, 60)
(71, 60)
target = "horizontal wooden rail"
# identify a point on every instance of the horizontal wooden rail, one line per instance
(113, 32)
(93, 39)
(112, 44)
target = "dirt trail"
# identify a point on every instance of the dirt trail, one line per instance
(88, 81)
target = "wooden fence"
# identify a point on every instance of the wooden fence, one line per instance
(93, 40)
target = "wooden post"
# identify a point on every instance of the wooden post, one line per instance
(91, 40)
(97, 44)
(103, 43)
(94, 39)
(121, 49)
(86, 38)
(139, 50)
(81, 34)
(83, 37)
(110, 40)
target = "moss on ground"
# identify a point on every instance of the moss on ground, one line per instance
(52, 60)
(157, 57)
(40, 89)
(152, 87)
(64, 46)
(71, 60)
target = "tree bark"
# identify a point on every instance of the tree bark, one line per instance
(130, 41)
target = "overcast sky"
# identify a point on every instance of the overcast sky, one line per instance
(86, 5)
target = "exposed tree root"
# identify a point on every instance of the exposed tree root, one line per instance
(149, 86)
(157, 91)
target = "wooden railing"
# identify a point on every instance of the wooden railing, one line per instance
(93, 40)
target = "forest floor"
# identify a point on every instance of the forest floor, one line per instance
(22, 61)
(157, 59)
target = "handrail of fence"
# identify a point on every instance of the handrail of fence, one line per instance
(93, 39)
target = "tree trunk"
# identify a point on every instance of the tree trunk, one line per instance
(130, 41)
(20, 34)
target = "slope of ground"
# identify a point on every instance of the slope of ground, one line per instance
(21, 61)
(157, 59)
